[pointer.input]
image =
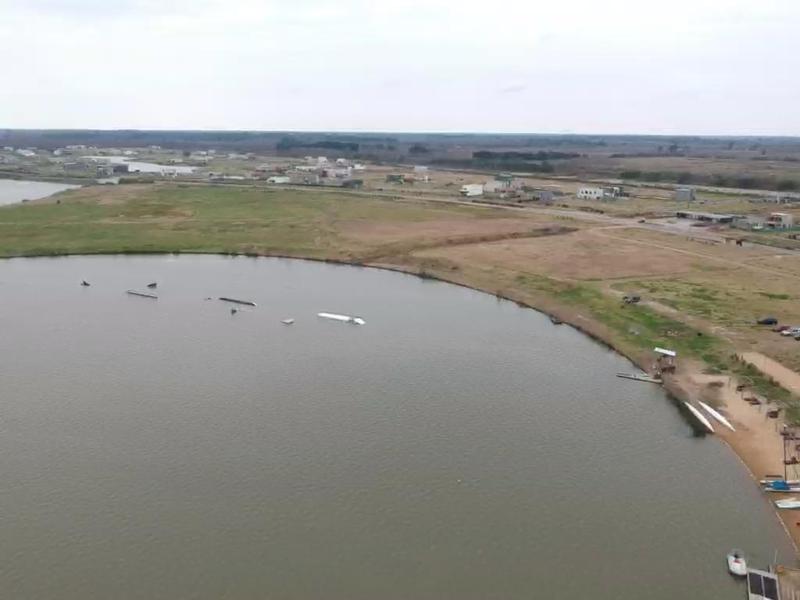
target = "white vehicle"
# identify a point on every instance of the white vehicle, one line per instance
(791, 331)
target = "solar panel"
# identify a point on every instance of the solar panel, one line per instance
(770, 588)
(756, 584)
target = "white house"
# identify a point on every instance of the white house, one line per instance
(590, 193)
(780, 220)
(472, 189)
(279, 179)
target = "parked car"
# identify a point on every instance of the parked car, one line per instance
(780, 328)
(793, 331)
(768, 321)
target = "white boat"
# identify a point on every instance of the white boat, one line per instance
(736, 563)
(719, 417)
(788, 503)
(639, 377)
(700, 417)
(344, 318)
(771, 481)
(287, 321)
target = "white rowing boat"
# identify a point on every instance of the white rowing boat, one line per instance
(737, 564)
(716, 415)
(700, 417)
(343, 318)
(639, 377)
(788, 504)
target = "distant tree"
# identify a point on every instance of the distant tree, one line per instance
(731, 145)
(419, 149)
(787, 185)
(186, 153)
(685, 177)
(632, 174)
(673, 148)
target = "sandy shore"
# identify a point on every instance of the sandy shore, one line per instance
(757, 440)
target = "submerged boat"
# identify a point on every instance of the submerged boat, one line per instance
(344, 318)
(788, 504)
(639, 377)
(237, 301)
(85, 283)
(719, 417)
(736, 563)
(700, 417)
(152, 285)
(287, 321)
(142, 294)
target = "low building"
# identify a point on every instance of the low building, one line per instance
(705, 217)
(471, 189)
(780, 220)
(494, 187)
(545, 197)
(590, 193)
(354, 184)
(613, 192)
(395, 178)
(120, 168)
(280, 179)
(684, 194)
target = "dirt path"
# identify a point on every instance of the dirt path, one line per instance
(785, 377)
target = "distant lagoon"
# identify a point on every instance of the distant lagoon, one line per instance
(13, 191)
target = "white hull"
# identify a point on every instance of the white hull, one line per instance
(639, 377)
(700, 417)
(343, 318)
(287, 321)
(737, 565)
(716, 415)
(788, 504)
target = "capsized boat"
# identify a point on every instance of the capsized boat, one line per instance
(736, 563)
(344, 318)
(287, 321)
(700, 417)
(142, 294)
(719, 417)
(788, 503)
(152, 285)
(639, 377)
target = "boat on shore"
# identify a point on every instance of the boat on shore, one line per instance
(555, 320)
(640, 377)
(237, 301)
(700, 417)
(788, 504)
(781, 487)
(343, 318)
(719, 417)
(737, 565)
(142, 294)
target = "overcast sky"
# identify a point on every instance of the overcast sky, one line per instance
(594, 66)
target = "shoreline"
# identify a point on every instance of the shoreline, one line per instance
(756, 442)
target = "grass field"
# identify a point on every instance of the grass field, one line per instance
(699, 299)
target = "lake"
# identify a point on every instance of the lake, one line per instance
(455, 446)
(13, 191)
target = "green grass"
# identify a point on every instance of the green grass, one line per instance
(185, 218)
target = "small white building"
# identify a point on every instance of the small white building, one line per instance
(494, 186)
(780, 220)
(279, 179)
(472, 189)
(358, 167)
(684, 194)
(590, 193)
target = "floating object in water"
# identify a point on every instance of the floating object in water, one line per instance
(287, 321)
(716, 415)
(85, 283)
(234, 311)
(344, 318)
(700, 417)
(555, 320)
(639, 377)
(142, 294)
(152, 285)
(736, 563)
(236, 301)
